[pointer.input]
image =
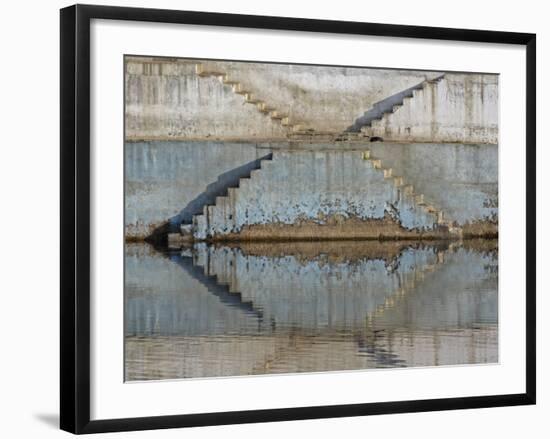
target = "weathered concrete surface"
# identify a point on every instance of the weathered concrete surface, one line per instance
(457, 108)
(461, 180)
(166, 98)
(168, 182)
(316, 307)
(345, 194)
(327, 188)
(333, 227)
(168, 101)
(322, 98)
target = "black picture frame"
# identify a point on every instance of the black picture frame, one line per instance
(75, 217)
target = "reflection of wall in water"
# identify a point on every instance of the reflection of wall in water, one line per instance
(289, 292)
(177, 327)
(161, 298)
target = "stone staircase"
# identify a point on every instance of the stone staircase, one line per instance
(385, 109)
(408, 189)
(224, 217)
(221, 209)
(263, 107)
(365, 127)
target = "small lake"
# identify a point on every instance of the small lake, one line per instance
(266, 308)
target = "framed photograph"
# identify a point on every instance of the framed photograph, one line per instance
(272, 218)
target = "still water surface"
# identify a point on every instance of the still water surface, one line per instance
(303, 307)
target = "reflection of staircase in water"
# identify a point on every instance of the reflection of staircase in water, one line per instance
(313, 290)
(409, 284)
(224, 270)
(369, 344)
(219, 289)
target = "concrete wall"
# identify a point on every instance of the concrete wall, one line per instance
(167, 99)
(169, 182)
(323, 98)
(309, 193)
(461, 180)
(457, 108)
(315, 188)
(165, 181)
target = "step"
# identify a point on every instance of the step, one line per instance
(398, 181)
(186, 229)
(250, 98)
(366, 155)
(420, 199)
(226, 81)
(275, 115)
(211, 211)
(254, 172)
(388, 173)
(266, 110)
(396, 107)
(285, 121)
(238, 88)
(232, 193)
(377, 164)
(244, 182)
(221, 200)
(199, 223)
(408, 189)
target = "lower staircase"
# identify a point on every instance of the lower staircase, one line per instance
(219, 219)
(222, 205)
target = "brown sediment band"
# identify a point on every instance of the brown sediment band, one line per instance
(333, 229)
(340, 229)
(480, 229)
(336, 252)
